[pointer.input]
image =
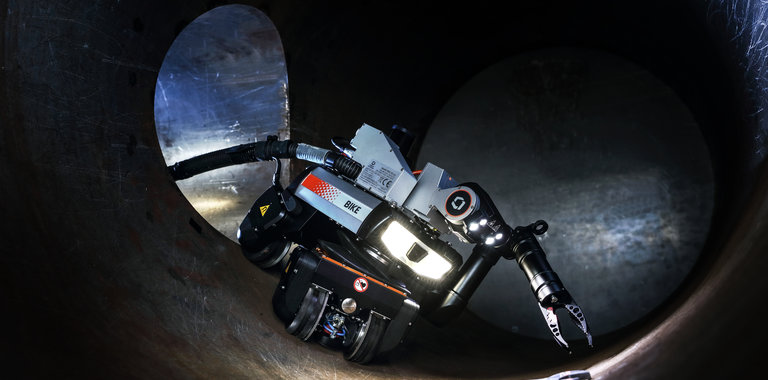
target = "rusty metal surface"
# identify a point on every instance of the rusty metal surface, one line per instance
(108, 272)
(222, 83)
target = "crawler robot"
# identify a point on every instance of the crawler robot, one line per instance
(357, 238)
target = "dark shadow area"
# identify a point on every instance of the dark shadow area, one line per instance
(108, 272)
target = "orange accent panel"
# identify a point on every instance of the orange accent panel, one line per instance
(364, 275)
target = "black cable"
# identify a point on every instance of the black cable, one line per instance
(251, 152)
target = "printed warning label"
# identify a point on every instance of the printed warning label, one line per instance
(264, 209)
(361, 284)
(377, 177)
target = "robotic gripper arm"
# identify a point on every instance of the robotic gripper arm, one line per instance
(484, 226)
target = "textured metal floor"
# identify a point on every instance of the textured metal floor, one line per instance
(107, 271)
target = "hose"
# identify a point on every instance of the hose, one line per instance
(240, 154)
(263, 151)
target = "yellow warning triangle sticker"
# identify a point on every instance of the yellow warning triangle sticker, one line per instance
(263, 209)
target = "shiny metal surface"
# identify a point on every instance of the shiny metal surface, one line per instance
(382, 162)
(607, 155)
(222, 83)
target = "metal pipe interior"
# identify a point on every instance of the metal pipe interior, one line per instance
(108, 271)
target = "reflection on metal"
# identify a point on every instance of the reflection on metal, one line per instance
(222, 83)
(570, 375)
(744, 23)
(604, 152)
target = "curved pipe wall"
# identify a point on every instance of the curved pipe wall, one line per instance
(107, 271)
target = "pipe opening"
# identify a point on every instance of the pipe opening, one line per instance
(602, 150)
(222, 83)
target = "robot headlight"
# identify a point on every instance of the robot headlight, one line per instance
(411, 251)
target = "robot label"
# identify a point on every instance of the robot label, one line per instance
(378, 176)
(352, 206)
(336, 196)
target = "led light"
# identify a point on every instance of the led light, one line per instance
(489, 240)
(473, 226)
(499, 236)
(399, 241)
(483, 222)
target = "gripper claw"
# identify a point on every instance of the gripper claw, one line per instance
(563, 300)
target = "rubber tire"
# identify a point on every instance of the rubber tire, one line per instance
(309, 314)
(366, 344)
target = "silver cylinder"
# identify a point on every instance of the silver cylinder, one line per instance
(311, 153)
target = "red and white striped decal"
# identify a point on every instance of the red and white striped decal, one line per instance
(336, 197)
(324, 189)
